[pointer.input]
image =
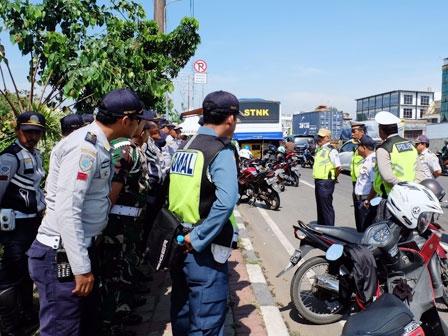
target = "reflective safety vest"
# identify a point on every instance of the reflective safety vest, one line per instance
(191, 192)
(323, 168)
(403, 157)
(355, 166)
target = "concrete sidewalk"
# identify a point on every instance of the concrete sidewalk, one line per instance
(243, 318)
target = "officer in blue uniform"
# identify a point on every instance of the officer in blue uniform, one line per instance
(200, 282)
(72, 122)
(21, 206)
(61, 259)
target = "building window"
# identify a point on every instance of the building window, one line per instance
(408, 99)
(422, 112)
(394, 99)
(407, 113)
(359, 105)
(379, 102)
(386, 101)
(424, 100)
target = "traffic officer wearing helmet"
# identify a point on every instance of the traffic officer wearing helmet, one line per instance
(364, 183)
(396, 157)
(203, 191)
(77, 189)
(428, 165)
(358, 131)
(21, 206)
(326, 169)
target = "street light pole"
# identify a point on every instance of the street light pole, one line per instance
(159, 14)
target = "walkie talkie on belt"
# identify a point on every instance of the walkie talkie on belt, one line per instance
(64, 270)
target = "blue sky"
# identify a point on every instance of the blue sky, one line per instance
(305, 53)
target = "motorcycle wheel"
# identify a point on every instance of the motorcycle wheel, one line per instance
(273, 203)
(303, 164)
(313, 303)
(296, 181)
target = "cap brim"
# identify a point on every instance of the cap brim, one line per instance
(31, 127)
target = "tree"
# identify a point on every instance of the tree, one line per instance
(82, 49)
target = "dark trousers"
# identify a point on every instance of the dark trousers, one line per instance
(14, 275)
(365, 216)
(324, 201)
(62, 313)
(355, 207)
(199, 296)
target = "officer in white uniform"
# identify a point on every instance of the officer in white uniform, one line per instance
(428, 165)
(21, 206)
(364, 182)
(77, 190)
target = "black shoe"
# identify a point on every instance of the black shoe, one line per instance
(117, 330)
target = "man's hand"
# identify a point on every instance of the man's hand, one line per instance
(83, 284)
(187, 244)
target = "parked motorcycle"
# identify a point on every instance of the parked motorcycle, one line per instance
(257, 184)
(443, 164)
(313, 287)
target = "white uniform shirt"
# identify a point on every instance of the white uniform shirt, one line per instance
(77, 189)
(366, 176)
(427, 164)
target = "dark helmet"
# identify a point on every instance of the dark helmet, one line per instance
(435, 187)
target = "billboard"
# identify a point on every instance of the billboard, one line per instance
(260, 112)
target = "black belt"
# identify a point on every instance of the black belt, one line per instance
(361, 197)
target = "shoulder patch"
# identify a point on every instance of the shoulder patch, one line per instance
(86, 162)
(91, 137)
(4, 173)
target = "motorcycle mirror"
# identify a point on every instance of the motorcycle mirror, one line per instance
(376, 201)
(334, 252)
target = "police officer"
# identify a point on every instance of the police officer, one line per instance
(21, 206)
(358, 131)
(203, 191)
(428, 165)
(326, 169)
(364, 183)
(77, 187)
(396, 157)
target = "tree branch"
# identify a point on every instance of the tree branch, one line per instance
(45, 87)
(14, 83)
(33, 72)
(80, 100)
(3, 78)
(14, 110)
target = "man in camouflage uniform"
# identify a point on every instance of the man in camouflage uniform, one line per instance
(119, 257)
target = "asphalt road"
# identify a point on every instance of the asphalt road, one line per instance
(272, 236)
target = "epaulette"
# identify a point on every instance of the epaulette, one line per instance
(90, 137)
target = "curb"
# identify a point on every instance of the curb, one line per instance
(275, 326)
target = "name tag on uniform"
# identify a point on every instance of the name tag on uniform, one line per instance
(183, 163)
(404, 147)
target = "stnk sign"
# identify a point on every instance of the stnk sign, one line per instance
(260, 112)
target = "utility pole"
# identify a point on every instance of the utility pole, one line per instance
(159, 14)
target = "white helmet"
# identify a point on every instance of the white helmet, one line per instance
(281, 149)
(413, 205)
(245, 154)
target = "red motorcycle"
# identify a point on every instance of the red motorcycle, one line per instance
(258, 184)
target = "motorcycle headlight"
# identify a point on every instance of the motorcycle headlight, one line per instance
(423, 221)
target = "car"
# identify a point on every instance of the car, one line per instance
(300, 141)
(345, 155)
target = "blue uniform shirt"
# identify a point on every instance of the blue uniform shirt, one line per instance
(223, 174)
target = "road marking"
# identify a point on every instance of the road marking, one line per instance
(278, 233)
(255, 274)
(247, 244)
(307, 183)
(273, 321)
(275, 326)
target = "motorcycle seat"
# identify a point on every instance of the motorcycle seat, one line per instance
(346, 234)
(387, 316)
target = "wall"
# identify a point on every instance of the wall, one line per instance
(437, 133)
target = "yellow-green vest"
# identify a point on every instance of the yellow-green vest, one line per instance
(355, 165)
(191, 194)
(323, 168)
(403, 158)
